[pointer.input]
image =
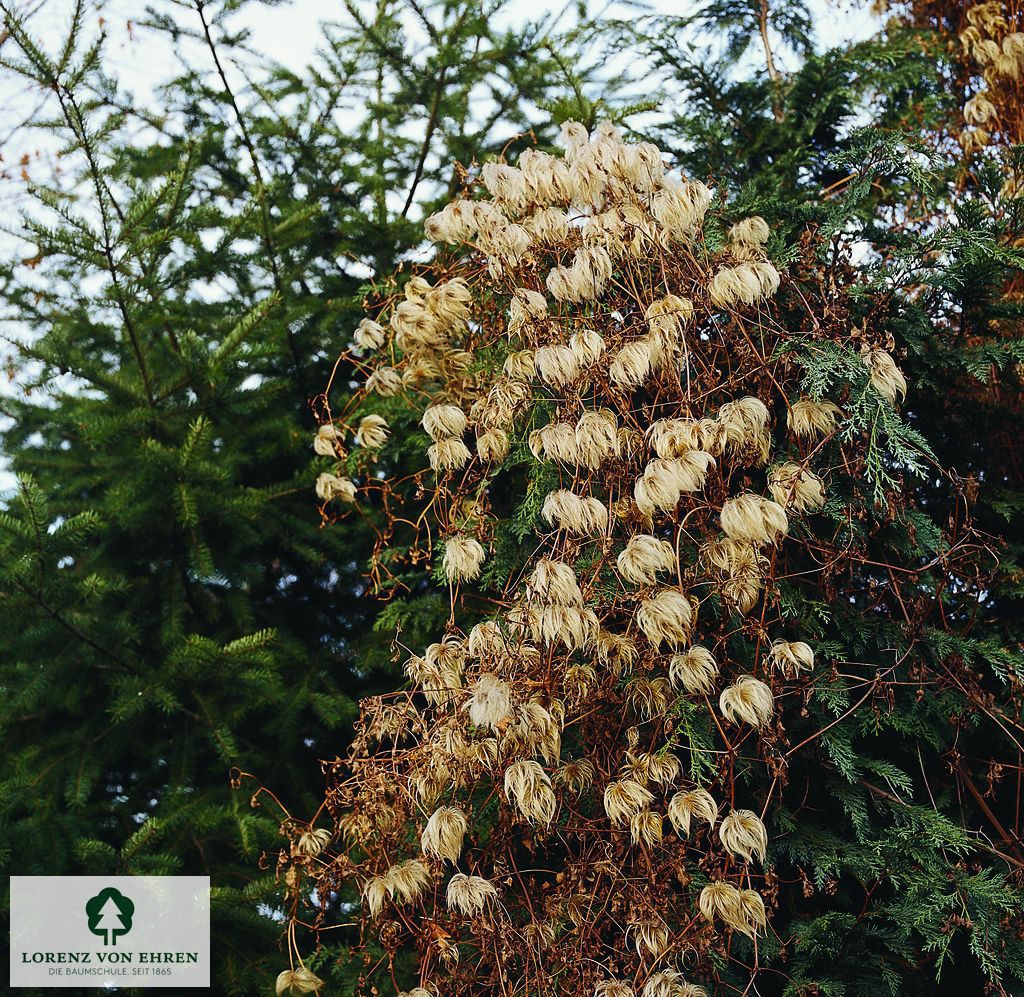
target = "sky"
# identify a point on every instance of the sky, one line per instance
(288, 32)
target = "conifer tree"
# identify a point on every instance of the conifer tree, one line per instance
(173, 612)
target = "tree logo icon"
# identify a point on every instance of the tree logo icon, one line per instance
(110, 914)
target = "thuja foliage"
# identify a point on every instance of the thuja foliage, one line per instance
(529, 814)
(173, 614)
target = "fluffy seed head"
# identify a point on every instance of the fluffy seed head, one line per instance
(528, 786)
(792, 657)
(695, 670)
(491, 703)
(886, 378)
(744, 835)
(444, 421)
(463, 558)
(586, 516)
(694, 803)
(794, 487)
(448, 455)
(468, 895)
(385, 381)
(809, 418)
(666, 618)
(331, 486)
(369, 335)
(443, 834)
(624, 799)
(631, 366)
(644, 558)
(373, 432)
(747, 700)
(492, 445)
(754, 519)
(645, 828)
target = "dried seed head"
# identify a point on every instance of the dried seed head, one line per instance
(644, 558)
(747, 700)
(577, 775)
(327, 440)
(443, 834)
(369, 335)
(373, 432)
(448, 455)
(492, 445)
(683, 807)
(792, 657)
(754, 519)
(586, 516)
(694, 670)
(528, 786)
(385, 381)
(794, 487)
(808, 418)
(556, 365)
(751, 231)
(463, 558)
(469, 894)
(444, 421)
(331, 486)
(312, 842)
(666, 618)
(645, 828)
(721, 901)
(624, 799)
(743, 834)
(297, 981)
(490, 704)
(886, 378)
(631, 366)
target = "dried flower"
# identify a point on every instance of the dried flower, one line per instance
(444, 421)
(528, 785)
(297, 981)
(695, 670)
(794, 487)
(754, 518)
(490, 704)
(312, 842)
(586, 516)
(666, 618)
(448, 455)
(492, 445)
(327, 440)
(624, 799)
(645, 828)
(809, 418)
(792, 657)
(886, 378)
(369, 335)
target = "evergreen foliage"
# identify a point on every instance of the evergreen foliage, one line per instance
(174, 614)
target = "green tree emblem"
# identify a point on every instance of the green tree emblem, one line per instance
(110, 914)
